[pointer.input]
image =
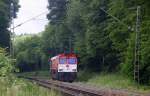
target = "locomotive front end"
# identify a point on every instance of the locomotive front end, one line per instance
(66, 67)
(68, 64)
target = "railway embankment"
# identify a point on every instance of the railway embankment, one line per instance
(111, 81)
(80, 89)
(108, 82)
(12, 86)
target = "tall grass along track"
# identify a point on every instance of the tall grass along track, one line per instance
(77, 90)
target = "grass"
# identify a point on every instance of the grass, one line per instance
(114, 81)
(42, 74)
(18, 87)
(102, 80)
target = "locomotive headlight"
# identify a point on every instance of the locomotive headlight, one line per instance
(74, 70)
(60, 69)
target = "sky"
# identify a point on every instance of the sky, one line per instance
(28, 10)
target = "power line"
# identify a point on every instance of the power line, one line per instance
(137, 41)
(13, 29)
(115, 18)
(33, 18)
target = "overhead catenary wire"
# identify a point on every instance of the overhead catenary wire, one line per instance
(137, 41)
(12, 29)
(30, 19)
(115, 18)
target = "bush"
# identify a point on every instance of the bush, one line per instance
(20, 87)
(5, 63)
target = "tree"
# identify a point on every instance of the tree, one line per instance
(58, 9)
(102, 43)
(5, 65)
(5, 19)
(29, 54)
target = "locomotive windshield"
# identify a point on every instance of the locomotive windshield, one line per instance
(72, 61)
(67, 60)
(62, 60)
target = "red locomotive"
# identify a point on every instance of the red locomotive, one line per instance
(63, 67)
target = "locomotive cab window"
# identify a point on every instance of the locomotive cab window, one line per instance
(62, 60)
(72, 61)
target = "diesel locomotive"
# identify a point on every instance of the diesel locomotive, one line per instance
(63, 67)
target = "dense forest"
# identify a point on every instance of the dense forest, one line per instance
(101, 32)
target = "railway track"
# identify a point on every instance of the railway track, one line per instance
(76, 90)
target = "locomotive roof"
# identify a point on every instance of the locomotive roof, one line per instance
(54, 57)
(64, 55)
(67, 55)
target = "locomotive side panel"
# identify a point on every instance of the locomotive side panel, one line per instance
(54, 67)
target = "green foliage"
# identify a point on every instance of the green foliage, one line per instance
(19, 87)
(91, 40)
(29, 54)
(116, 81)
(128, 61)
(58, 10)
(5, 20)
(101, 42)
(42, 74)
(5, 63)
(84, 76)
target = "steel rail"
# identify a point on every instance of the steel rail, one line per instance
(66, 88)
